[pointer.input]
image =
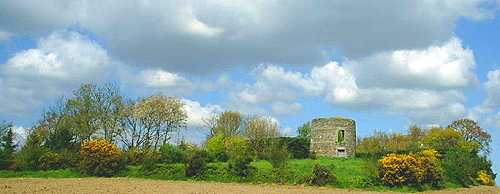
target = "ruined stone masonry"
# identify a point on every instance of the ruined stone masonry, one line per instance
(333, 137)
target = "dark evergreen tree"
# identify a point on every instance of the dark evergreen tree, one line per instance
(7, 146)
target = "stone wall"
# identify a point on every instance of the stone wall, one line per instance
(325, 140)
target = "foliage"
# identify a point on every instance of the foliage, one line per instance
(462, 165)
(150, 161)
(260, 133)
(410, 169)
(196, 164)
(166, 171)
(321, 176)
(95, 111)
(135, 156)
(51, 161)
(484, 178)
(471, 131)
(161, 115)
(100, 158)
(430, 167)
(442, 139)
(398, 169)
(298, 147)
(66, 173)
(381, 144)
(171, 154)
(7, 146)
(228, 124)
(216, 148)
(29, 156)
(304, 131)
(222, 147)
(277, 154)
(240, 165)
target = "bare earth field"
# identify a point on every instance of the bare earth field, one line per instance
(131, 185)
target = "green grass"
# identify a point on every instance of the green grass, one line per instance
(350, 173)
(66, 173)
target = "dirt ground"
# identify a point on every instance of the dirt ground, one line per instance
(130, 185)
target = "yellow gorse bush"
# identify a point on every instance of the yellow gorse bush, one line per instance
(405, 169)
(100, 157)
(99, 147)
(485, 178)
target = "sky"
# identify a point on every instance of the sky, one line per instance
(386, 64)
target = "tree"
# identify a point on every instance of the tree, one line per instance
(305, 130)
(228, 123)
(96, 111)
(260, 131)
(7, 145)
(472, 132)
(160, 115)
(60, 134)
(134, 132)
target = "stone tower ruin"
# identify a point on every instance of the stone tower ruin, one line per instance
(333, 137)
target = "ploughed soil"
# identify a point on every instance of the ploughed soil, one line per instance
(134, 185)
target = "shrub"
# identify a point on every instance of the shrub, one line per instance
(218, 172)
(280, 175)
(188, 150)
(171, 154)
(410, 169)
(100, 158)
(166, 171)
(135, 156)
(277, 154)
(196, 164)
(216, 148)
(321, 176)
(398, 169)
(297, 147)
(240, 165)
(430, 167)
(151, 158)
(484, 178)
(463, 165)
(442, 139)
(51, 161)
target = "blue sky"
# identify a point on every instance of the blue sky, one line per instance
(386, 64)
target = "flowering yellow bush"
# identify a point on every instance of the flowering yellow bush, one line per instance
(398, 169)
(407, 169)
(430, 167)
(485, 178)
(100, 158)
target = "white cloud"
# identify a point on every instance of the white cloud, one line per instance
(487, 110)
(338, 85)
(160, 78)
(281, 108)
(201, 36)
(492, 87)
(58, 64)
(198, 113)
(439, 66)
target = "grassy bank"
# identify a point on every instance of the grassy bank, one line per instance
(350, 173)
